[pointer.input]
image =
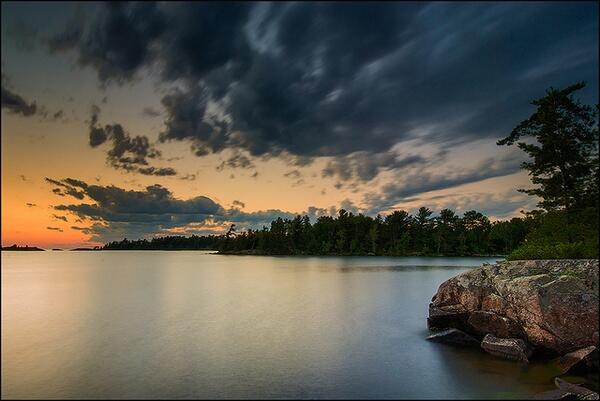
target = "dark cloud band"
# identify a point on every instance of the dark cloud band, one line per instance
(326, 79)
(115, 212)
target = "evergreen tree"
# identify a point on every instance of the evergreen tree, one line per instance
(564, 157)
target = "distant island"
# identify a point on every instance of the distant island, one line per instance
(15, 247)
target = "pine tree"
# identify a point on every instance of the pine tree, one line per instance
(565, 153)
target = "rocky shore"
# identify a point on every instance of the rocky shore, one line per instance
(524, 310)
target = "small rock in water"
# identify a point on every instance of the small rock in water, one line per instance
(509, 348)
(453, 336)
(581, 361)
(582, 393)
(446, 317)
(556, 395)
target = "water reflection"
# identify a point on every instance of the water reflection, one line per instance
(192, 325)
(404, 268)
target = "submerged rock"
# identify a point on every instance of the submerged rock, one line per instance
(567, 391)
(582, 393)
(508, 348)
(581, 361)
(556, 395)
(550, 304)
(453, 336)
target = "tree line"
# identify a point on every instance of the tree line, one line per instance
(398, 234)
(562, 145)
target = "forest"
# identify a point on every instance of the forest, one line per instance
(536, 235)
(562, 143)
(398, 233)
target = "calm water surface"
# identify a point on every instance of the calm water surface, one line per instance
(194, 325)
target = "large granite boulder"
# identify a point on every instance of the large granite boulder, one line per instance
(551, 304)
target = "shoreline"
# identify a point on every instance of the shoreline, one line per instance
(253, 253)
(488, 308)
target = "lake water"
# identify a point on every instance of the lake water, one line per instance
(194, 325)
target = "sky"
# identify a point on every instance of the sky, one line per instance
(142, 119)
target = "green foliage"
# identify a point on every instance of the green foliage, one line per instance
(571, 234)
(576, 250)
(399, 234)
(564, 155)
(564, 165)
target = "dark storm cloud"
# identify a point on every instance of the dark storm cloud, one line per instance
(161, 172)
(75, 183)
(66, 188)
(16, 104)
(117, 42)
(187, 119)
(126, 152)
(208, 39)
(154, 200)
(97, 134)
(54, 229)
(329, 79)
(116, 212)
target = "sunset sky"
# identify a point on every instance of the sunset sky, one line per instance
(140, 119)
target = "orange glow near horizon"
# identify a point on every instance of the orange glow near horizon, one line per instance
(62, 152)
